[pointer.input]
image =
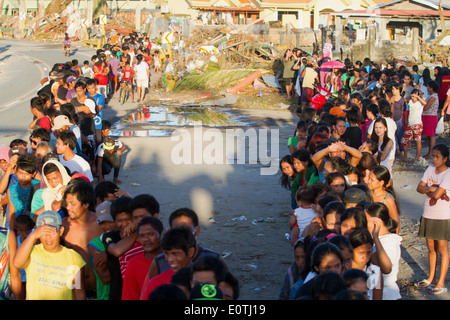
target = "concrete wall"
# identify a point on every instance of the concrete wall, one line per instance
(382, 50)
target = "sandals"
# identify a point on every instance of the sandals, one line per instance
(437, 291)
(423, 284)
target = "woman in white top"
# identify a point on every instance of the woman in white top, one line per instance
(381, 225)
(386, 153)
(142, 72)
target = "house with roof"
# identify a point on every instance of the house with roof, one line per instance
(297, 13)
(398, 17)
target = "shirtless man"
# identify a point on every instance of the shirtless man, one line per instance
(81, 225)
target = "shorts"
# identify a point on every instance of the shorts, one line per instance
(307, 94)
(126, 82)
(434, 229)
(288, 81)
(412, 132)
(429, 125)
(113, 78)
(142, 83)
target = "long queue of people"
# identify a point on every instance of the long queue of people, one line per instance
(345, 225)
(68, 232)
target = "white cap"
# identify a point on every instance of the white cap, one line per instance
(90, 104)
(61, 121)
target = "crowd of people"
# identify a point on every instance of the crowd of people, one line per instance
(338, 169)
(70, 233)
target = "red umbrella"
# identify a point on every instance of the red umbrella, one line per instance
(333, 64)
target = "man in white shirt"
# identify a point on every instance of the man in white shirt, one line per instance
(65, 144)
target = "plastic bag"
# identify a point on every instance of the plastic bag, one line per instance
(440, 126)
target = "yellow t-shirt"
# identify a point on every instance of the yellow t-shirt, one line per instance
(50, 275)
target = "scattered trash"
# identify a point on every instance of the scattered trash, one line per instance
(226, 254)
(241, 218)
(421, 248)
(134, 184)
(258, 289)
(269, 220)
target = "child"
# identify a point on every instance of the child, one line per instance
(383, 227)
(413, 125)
(294, 272)
(430, 115)
(356, 280)
(156, 61)
(362, 244)
(299, 138)
(109, 154)
(332, 215)
(86, 70)
(435, 183)
(325, 257)
(50, 263)
(127, 81)
(353, 133)
(304, 214)
(24, 225)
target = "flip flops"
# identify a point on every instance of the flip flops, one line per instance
(423, 284)
(437, 291)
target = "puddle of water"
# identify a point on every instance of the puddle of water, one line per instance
(161, 121)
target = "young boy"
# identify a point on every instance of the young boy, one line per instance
(353, 133)
(86, 70)
(149, 232)
(109, 154)
(127, 81)
(413, 126)
(54, 272)
(121, 214)
(178, 245)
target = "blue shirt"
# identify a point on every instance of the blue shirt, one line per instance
(99, 100)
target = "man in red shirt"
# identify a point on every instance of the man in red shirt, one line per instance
(178, 245)
(149, 233)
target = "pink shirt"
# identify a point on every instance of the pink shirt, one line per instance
(441, 210)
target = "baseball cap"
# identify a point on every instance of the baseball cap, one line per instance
(17, 150)
(53, 75)
(103, 212)
(71, 79)
(354, 195)
(206, 291)
(4, 153)
(109, 143)
(90, 104)
(80, 175)
(51, 218)
(61, 121)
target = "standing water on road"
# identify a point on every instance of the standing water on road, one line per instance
(161, 121)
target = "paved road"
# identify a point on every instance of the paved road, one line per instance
(22, 65)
